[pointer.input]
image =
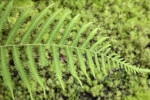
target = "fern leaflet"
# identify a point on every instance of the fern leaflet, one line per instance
(56, 65)
(32, 67)
(57, 27)
(75, 41)
(5, 71)
(90, 63)
(72, 68)
(11, 34)
(91, 35)
(45, 26)
(4, 17)
(61, 42)
(81, 62)
(20, 69)
(43, 60)
(33, 25)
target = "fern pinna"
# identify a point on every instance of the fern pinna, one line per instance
(98, 57)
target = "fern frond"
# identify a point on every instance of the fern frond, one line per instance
(33, 25)
(71, 66)
(32, 67)
(11, 34)
(56, 28)
(42, 57)
(20, 69)
(44, 27)
(67, 31)
(5, 71)
(57, 66)
(4, 17)
(90, 62)
(83, 28)
(97, 57)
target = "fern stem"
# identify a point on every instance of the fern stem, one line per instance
(74, 47)
(61, 46)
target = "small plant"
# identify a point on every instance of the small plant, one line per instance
(95, 55)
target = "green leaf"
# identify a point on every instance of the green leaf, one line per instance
(81, 62)
(57, 66)
(33, 25)
(4, 17)
(98, 42)
(56, 28)
(97, 62)
(45, 27)
(32, 67)
(12, 33)
(42, 57)
(103, 64)
(92, 33)
(83, 28)
(67, 31)
(20, 69)
(90, 62)
(72, 68)
(5, 71)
